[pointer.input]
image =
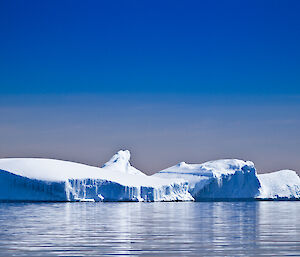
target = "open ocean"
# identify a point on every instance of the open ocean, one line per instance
(146, 229)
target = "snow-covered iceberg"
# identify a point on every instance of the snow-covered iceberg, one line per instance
(283, 184)
(221, 179)
(234, 179)
(33, 179)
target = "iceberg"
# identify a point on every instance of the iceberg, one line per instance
(281, 185)
(233, 179)
(35, 179)
(217, 180)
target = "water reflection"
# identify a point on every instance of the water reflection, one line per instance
(167, 229)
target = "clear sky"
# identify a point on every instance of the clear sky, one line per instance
(170, 80)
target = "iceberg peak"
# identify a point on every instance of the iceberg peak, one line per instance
(182, 164)
(122, 156)
(121, 162)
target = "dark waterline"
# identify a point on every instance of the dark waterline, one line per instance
(164, 229)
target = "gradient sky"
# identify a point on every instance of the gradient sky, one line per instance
(169, 80)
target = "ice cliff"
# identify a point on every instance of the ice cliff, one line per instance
(33, 179)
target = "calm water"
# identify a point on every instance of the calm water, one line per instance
(165, 229)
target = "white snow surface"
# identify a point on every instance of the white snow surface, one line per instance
(116, 169)
(215, 168)
(119, 180)
(220, 179)
(283, 184)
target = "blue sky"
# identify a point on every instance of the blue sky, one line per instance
(171, 80)
(158, 46)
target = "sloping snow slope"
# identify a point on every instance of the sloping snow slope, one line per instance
(55, 180)
(221, 179)
(283, 184)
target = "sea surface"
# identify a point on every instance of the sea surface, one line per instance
(147, 229)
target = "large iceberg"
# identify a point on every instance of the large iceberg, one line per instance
(33, 179)
(233, 179)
